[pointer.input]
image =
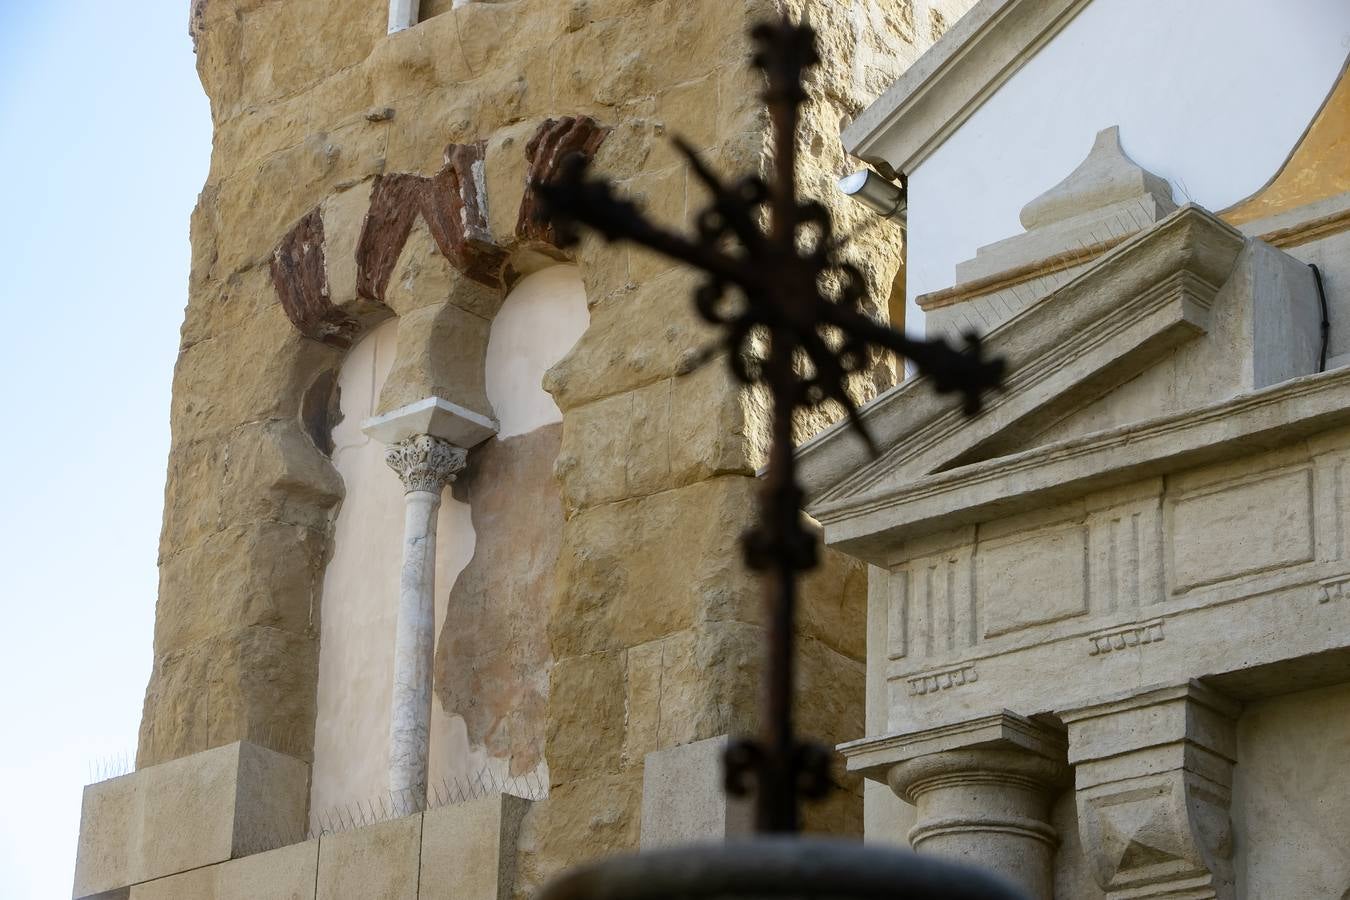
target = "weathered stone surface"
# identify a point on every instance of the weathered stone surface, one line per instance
(259, 202)
(330, 40)
(275, 473)
(586, 817)
(267, 365)
(240, 577)
(424, 277)
(451, 204)
(506, 172)
(690, 427)
(493, 658)
(202, 809)
(692, 685)
(255, 682)
(378, 860)
(440, 354)
(555, 141)
(300, 277)
(587, 716)
(637, 570)
(833, 604)
(635, 339)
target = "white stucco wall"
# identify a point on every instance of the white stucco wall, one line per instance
(538, 323)
(360, 592)
(1291, 799)
(1210, 94)
(540, 320)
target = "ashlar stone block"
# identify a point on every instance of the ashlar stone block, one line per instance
(683, 800)
(379, 861)
(283, 874)
(469, 849)
(192, 812)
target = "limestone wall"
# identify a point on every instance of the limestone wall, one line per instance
(652, 624)
(501, 522)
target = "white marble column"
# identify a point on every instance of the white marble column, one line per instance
(426, 465)
(402, 14)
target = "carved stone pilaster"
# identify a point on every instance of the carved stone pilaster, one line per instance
(1153, 778)
(425, 463)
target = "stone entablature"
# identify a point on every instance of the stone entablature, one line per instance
(1152, 510)
(1153, 574)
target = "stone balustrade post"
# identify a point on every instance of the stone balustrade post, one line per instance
(425, 465)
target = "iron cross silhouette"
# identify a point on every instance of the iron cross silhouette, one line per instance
(792, 319)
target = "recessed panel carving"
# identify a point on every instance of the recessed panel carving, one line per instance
(934, 611)
(1033, 580)
(1239, 529)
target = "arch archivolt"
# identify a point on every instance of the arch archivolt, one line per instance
(421, 250)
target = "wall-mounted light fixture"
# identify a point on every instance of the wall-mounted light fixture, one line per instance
(883, 197)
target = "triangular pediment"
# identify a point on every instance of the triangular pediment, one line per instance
(1161, 323)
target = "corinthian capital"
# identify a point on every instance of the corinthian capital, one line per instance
(425, 463)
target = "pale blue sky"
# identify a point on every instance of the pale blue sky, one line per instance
(104, 142)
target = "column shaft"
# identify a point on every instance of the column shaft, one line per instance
(425, 465)
(414, 648)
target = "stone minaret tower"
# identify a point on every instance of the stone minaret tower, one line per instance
(508, 670)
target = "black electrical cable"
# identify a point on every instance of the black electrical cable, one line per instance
(1326, 322)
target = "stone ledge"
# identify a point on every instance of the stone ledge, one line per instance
(285, 874)
(875, 757)
(191, 812)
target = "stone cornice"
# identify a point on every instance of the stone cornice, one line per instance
(1294, 228)
(1106, 325)
(874, 756)
(1067, 469)
(945, 86)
